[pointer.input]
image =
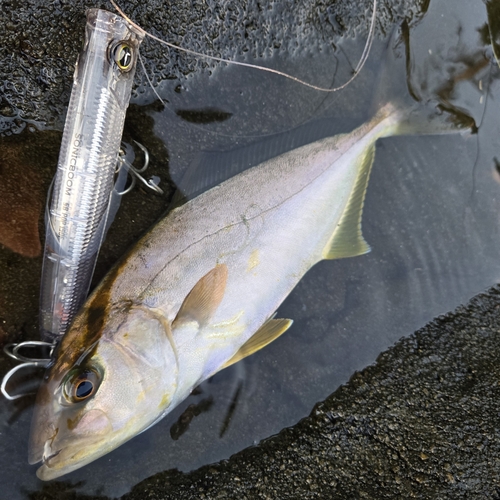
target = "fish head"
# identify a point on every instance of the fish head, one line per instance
(112, 378)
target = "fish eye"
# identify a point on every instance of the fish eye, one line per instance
(122, 54)
(81, 385)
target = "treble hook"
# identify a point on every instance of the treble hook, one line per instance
(12, 350)
(136, 172)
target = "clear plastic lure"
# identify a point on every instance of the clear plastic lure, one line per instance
(76, 220)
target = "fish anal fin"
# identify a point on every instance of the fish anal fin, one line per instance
(347, 240)
(204, 298)
(268, 332)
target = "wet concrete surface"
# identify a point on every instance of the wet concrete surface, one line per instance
(422, 422)
(41, 41)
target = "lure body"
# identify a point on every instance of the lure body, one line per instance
(77, 217)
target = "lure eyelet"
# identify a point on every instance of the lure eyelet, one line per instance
(122, 54)
(81, 385)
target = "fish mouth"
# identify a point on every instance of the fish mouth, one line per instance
(64, 459)
(68, 442)
(44, 470)
(54, 462)
(49, 470)
(46, 460)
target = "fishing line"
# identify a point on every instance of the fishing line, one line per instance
(329, 90)
(232, 136)
(359, 67)
(478, 146)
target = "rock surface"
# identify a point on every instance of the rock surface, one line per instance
(23, 190)
(41, 41)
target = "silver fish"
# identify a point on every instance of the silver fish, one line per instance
(199, 292)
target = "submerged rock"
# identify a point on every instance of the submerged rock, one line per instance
(23, 191)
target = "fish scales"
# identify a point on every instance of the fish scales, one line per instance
(197, 227)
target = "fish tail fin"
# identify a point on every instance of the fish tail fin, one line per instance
(408, 114)
(420, 115)
(434, 118)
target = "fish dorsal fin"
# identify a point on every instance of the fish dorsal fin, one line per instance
(347, 240)
(204, 298)
(268, 332)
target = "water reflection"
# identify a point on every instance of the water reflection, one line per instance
(490, 32)
(193, 410)
(430, 217)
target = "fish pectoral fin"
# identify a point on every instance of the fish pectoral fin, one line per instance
(204, 298)
(268, 332)
(347, 240)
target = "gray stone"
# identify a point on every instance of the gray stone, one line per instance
(41, 41)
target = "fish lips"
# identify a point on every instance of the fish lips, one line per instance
(66, 459)
(70, 448)
(65, 438)
(43, 423)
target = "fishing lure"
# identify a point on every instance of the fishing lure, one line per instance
(90, 178)
(78, 213)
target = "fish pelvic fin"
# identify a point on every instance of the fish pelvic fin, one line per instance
(347, 240)
(268, 332)
(203, 300)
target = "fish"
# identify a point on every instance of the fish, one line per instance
(200, 290)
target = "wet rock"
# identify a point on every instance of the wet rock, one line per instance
(42, 40)
(420, 423)
(27, 164)
(21, 197)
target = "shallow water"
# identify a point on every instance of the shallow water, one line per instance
(431, 218)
